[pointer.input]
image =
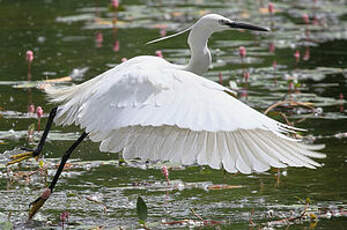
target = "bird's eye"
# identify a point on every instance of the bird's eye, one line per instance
(222, 21)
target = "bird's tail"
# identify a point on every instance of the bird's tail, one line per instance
(70, 99)
(60, 94)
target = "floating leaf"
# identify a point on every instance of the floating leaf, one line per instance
(41, 163)
(141, 208)
(223, 186)
(31, 127)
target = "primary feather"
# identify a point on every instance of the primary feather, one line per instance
(151, 109)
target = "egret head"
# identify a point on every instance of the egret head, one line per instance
(215, 23)
(211, 23)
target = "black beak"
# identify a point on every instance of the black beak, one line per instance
(246, 26)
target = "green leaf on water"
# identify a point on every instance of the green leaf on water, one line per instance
(41, 163)
(141, 210)
(121, 161)
(31, 127)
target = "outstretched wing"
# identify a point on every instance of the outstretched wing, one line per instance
(152, 110)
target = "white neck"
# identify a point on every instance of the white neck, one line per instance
(200, 54)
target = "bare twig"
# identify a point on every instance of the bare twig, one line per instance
(195, 214)
(290, 103)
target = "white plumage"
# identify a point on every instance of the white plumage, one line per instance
(151, 109)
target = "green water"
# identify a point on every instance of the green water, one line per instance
(62, 35)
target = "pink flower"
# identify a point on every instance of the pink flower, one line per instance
(297, 55)
(99, 38)
(39, 111)
(31, 108)
(64, 217)
(29, 56)
(124, 59)
(165, 172)
(307, 54)
(246, 75)
(162, 32)
(115, 4)
(116, 46)
(270, 8)
(272, 47)
(220, 76)
(341, 96)
(242, 51)
(159, 53)
(306, 18)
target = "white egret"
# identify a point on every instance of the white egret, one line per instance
(151, 109)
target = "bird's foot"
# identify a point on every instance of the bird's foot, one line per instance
(38, 203)
(23, 156)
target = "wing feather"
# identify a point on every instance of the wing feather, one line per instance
(257, 162)
(151, 109)
(202, 158)
(189, 151)
(242, 162)
(229, 160)
(262, 150)
(274, 150)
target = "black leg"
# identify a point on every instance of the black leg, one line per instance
(36, 152)
(51, 117)
(37, 204)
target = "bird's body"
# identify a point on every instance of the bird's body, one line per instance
(151, 109)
